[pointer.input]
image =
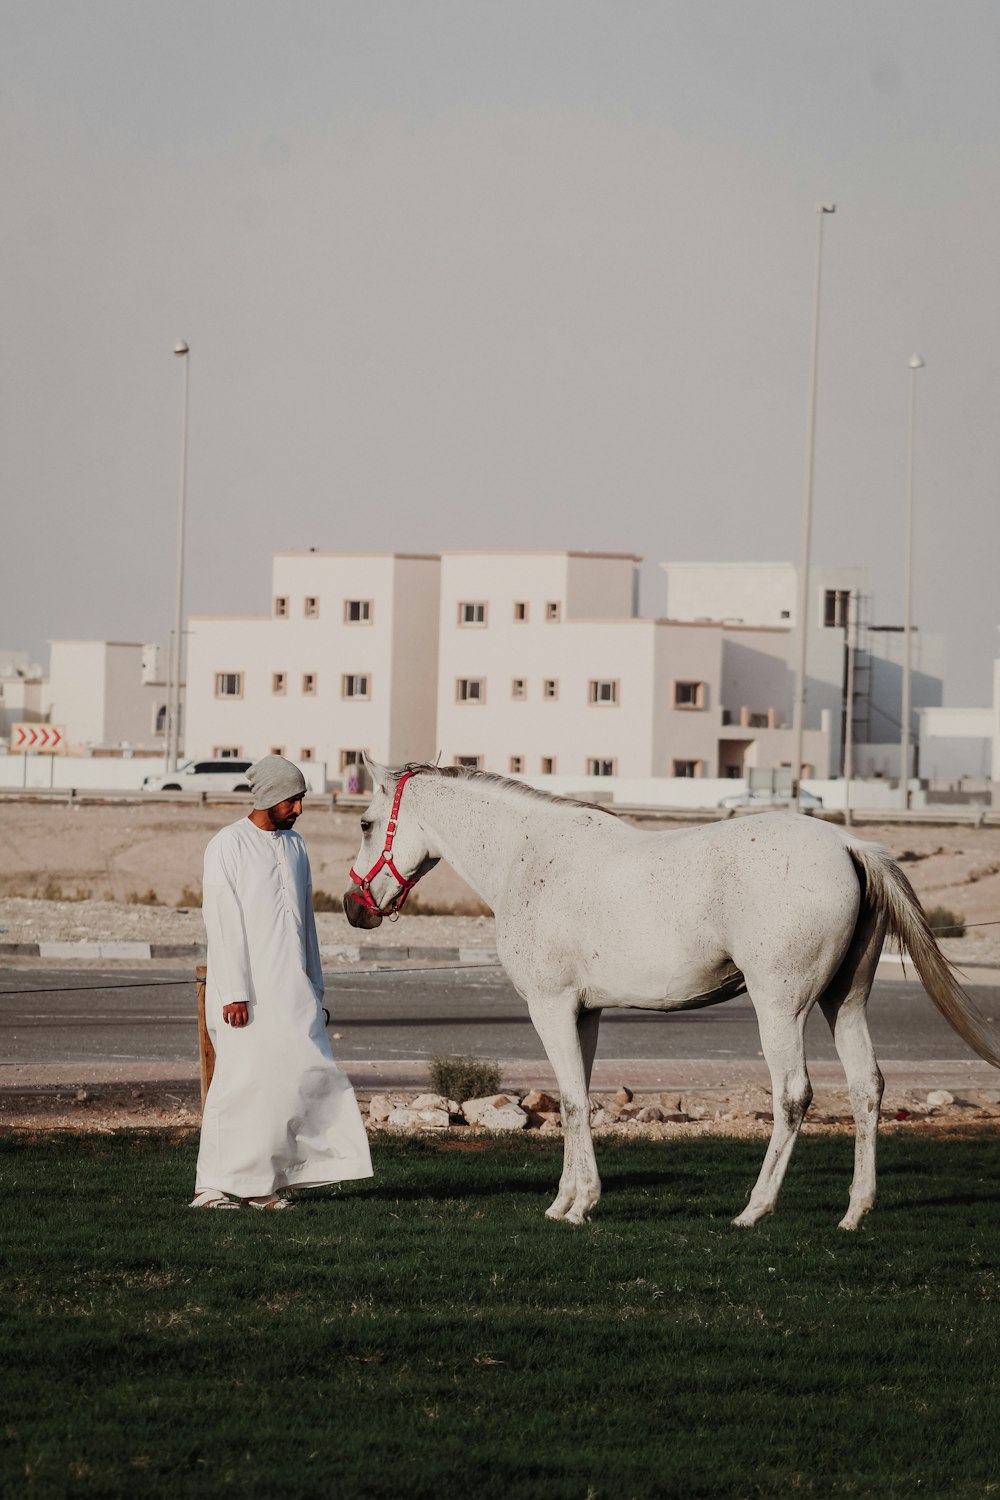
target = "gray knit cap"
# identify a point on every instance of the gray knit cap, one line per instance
(274, 779)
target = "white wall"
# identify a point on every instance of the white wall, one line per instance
(102, 773)
(413, 666)
(752, 593)
(956, 742)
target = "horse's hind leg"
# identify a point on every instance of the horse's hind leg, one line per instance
(781, 1038)
(845, 1008)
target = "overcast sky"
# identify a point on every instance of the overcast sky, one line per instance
(495, 274)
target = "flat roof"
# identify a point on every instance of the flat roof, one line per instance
(392, 556)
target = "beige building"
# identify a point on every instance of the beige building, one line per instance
(109, 695)
(345, 660)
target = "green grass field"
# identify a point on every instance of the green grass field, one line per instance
(431, 1334)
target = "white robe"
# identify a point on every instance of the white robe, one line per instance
(279, 1112)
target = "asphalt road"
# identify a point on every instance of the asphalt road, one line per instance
(149, 1015)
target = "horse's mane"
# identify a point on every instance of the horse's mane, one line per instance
(490, 778)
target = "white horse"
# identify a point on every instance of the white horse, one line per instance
(592, 912)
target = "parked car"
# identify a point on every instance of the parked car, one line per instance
(764, 797)
(202, 776)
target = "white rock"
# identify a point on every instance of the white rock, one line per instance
(406, 1117)
(471, 1108)
(940, 1098)
(379, 1109)
(491, 1116)
(429, 1101)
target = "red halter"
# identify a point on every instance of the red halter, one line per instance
(385, 862)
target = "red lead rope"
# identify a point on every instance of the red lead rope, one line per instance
(385, 862)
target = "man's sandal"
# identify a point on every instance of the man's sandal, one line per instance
(209, 1198)
(275, 1201)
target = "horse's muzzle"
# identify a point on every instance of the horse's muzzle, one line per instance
(358, 914)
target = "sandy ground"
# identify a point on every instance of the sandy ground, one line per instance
(75, 873)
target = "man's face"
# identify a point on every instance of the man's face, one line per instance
(283, 814)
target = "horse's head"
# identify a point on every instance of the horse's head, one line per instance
(394, 851)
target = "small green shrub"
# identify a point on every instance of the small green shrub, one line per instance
(464, 1077)
(944, 922)
(323, 901)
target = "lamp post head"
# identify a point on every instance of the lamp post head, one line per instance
(180, 348)
(826, 208)
(916, 363)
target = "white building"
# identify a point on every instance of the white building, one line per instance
(546, 669)
(109, 695)
(538, 664)
(766, 595)
(344, 661)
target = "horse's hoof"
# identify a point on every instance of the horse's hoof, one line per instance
(555, 1212)
(742, 1222)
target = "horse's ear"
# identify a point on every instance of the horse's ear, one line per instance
(378, 773)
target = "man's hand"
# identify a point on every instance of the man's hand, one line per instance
(236, 1015)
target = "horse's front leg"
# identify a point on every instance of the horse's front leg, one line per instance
(555, 1020)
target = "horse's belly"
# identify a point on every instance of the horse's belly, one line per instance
(685, 989)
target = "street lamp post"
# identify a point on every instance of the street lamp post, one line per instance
(916, 363)
(182, 351)
(822, 209)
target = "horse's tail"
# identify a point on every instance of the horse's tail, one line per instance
(896, 907)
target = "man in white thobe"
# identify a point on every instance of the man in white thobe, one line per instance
(279, 1113)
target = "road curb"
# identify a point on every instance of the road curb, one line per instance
(353, 953)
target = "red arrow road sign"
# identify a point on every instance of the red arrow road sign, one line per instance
(38, 739)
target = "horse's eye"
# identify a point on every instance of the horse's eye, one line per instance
(366, 826)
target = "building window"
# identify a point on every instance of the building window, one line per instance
(226, 752)
(470, 689)
(687, 768)
(355, 685)
(548, 765)
(357, 611)
(307, 753)
(229, 684)
(276, 750)
(689, 695)
(552, 611)
(835, 606)
(550, 688)
(597, 766)
(312, 607)
(519, 688)
(281, 607)
(603, 690)
(279, 682)
(517, 765)
(521, 611)
(786, 614)
(160, 718)
(472, 614)
(471, 762)
(309, 684)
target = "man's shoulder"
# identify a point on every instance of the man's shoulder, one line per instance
(233, 833)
